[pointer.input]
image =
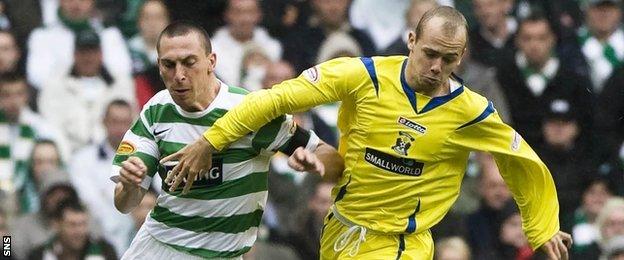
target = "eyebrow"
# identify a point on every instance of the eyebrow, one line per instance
(185, 58)
(425, 48)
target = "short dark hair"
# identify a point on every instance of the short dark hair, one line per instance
(68, 204)
(454, 19)
(181, 28)
(537, 17)
(117, 102)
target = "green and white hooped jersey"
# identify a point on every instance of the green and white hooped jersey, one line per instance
(220, 215)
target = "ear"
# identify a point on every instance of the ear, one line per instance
(411, 41)
(212, 62)
(462, 56)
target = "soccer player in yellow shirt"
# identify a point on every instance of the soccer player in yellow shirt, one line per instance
(407, 126)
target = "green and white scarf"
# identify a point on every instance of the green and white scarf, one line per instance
(15, 151)
(603, 57)
(537, 80)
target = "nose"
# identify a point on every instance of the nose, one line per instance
(179, 73)
(436, 66)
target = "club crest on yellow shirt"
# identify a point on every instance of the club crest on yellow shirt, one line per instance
(403, 143)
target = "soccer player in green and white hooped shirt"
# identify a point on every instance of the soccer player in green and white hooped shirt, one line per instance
(218, 214)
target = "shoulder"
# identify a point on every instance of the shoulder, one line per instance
(474, 105)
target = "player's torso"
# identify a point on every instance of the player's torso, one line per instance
(394, 157)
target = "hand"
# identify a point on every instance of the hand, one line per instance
(304, 160)
(132, 172)
(192, 159)
(557, 247)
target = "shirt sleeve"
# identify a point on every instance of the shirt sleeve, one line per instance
(324, 83)
(525, 174)
(139, 141)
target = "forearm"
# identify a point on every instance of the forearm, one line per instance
(127, 198)
(333, 162)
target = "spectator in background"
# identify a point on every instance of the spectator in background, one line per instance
(306, 233)
(89, 170)
(610, 224)
(482, 79)
(609, 114)
(19, 127)
(282, 16)
(36, 228)
(153, 17)
(483, 224)
(512, 244)
(492, 38)
(302, 47)
(72, 240)
(45, 159)
(452, 248)
(242, 18)
(614, 250)
(9, 53)
(51, 48)
(583, 222)
(254, 65)
(536, 76)
(78, 97)
(380, 21)
(602, 40)
(566, 158)
(414, 12)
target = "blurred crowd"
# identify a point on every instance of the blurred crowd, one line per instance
(75, 73)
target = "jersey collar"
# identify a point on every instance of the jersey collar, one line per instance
(434, 102)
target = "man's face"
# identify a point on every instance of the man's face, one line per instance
(74, 229)
(492, 186)
(116, 122)
(614, 224)
(242, 16)
(276, 73)
(77, 9)
(536, 41)
(331, 12)
(435, 55)
(511, 231)
(45, 159)
(559, 132)
(490, 13)
(595, 197)
(88, 61)
(13, 98)
(185, 68)
(603, 19)
(9, 53)
(153, 19)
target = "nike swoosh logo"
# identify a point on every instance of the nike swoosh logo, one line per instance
(160, 132)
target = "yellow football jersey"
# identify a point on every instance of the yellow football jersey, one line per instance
(405, 153)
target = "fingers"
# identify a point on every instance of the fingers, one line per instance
(563, 249)
(189, 181)
(567, 239)
(177, 176)
(172, 157)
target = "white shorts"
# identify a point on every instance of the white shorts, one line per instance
(145, 246)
